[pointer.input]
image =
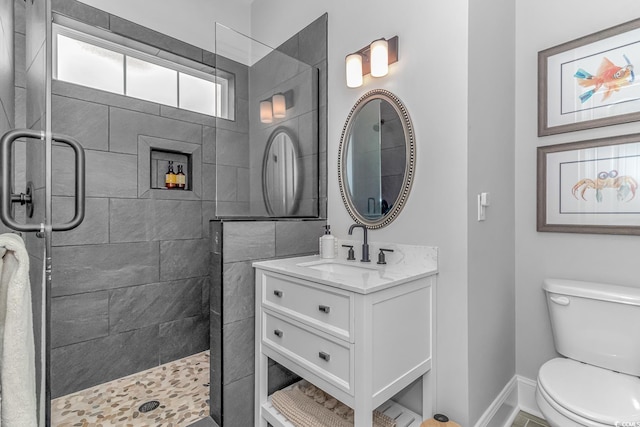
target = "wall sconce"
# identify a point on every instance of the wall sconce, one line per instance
(274, 107)
(373, 59)
(266, 111)
(279, 106)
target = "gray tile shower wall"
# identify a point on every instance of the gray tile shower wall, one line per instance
(232, 147)
(144, 261)
(235, 244)
(131, 284)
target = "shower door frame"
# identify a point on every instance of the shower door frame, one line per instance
(45, 228)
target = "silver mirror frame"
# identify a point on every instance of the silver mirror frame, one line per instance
(410, 162)
(265, 161)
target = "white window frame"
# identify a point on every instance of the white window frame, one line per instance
(226, 81)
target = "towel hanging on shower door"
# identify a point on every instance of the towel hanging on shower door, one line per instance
(17, 354)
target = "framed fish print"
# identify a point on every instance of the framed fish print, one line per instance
(590, 82)
(590, 186)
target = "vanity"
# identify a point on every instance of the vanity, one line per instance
(361, 332)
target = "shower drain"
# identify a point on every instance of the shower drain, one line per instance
(149, 406)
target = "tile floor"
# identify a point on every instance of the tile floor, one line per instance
(527, 420)
(181, 388)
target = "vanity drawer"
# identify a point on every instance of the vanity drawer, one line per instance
(324, 308)
(330, 359)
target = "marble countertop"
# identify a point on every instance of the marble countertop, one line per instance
(405, 263)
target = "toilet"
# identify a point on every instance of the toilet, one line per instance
(597, 328)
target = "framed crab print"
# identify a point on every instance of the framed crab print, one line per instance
(590, 82)
(590, 186)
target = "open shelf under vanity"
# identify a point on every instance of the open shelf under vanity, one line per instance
(403, 416)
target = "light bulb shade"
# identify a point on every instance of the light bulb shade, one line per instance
(266, 112)
(354, 70)
(379, 58)
(279, 106)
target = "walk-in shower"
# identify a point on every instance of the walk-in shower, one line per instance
(172, 137)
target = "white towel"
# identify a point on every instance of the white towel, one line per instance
(17, 354)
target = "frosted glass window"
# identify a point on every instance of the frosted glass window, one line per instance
(199, 95)
(88, 60)
(88, 65)
(152, 82)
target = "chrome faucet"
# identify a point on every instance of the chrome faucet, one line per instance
(365, 244)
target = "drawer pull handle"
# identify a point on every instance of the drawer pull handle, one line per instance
(278, 294)
(324, 356)
(324, 308)
(278, 333)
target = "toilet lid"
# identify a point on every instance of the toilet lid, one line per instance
(594, 393)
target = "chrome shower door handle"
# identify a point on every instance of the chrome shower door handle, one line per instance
(80, 174)
(6, 196)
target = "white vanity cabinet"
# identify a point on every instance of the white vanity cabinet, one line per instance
(361, 338)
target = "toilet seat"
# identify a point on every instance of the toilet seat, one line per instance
(589, 395)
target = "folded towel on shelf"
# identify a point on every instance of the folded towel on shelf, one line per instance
(305, 405)
(17, 355)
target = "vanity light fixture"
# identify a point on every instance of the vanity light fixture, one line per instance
(379, 58)
(266, 111)
(373, 59)
(274, 107)
(354, 70)
(279, 106)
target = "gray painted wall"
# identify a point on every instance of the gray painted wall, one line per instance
(235, 245)
(599, 258)
(491, 251)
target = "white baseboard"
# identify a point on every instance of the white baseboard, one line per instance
(518, 395)
(527, 396)
(508, 397)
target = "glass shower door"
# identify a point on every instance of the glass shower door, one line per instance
(25, 153)
(23, 126)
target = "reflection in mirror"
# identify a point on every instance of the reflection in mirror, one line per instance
(377, 155)
(281, 179)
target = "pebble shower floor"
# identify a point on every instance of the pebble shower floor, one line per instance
(181, 388)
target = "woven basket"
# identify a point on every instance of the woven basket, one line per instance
(303, 411)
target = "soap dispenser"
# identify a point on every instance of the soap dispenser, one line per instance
(328, 244)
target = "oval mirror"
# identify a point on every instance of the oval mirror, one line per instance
(281, 174)
(376, 159)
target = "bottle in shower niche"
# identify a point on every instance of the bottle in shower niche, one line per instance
(170, 179)
(181, 178)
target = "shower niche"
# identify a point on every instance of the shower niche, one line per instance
(165, 161)
(154, 157)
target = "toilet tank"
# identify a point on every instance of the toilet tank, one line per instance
(596, 323)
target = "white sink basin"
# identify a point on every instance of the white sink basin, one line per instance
(338, 267)
(406, 263)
